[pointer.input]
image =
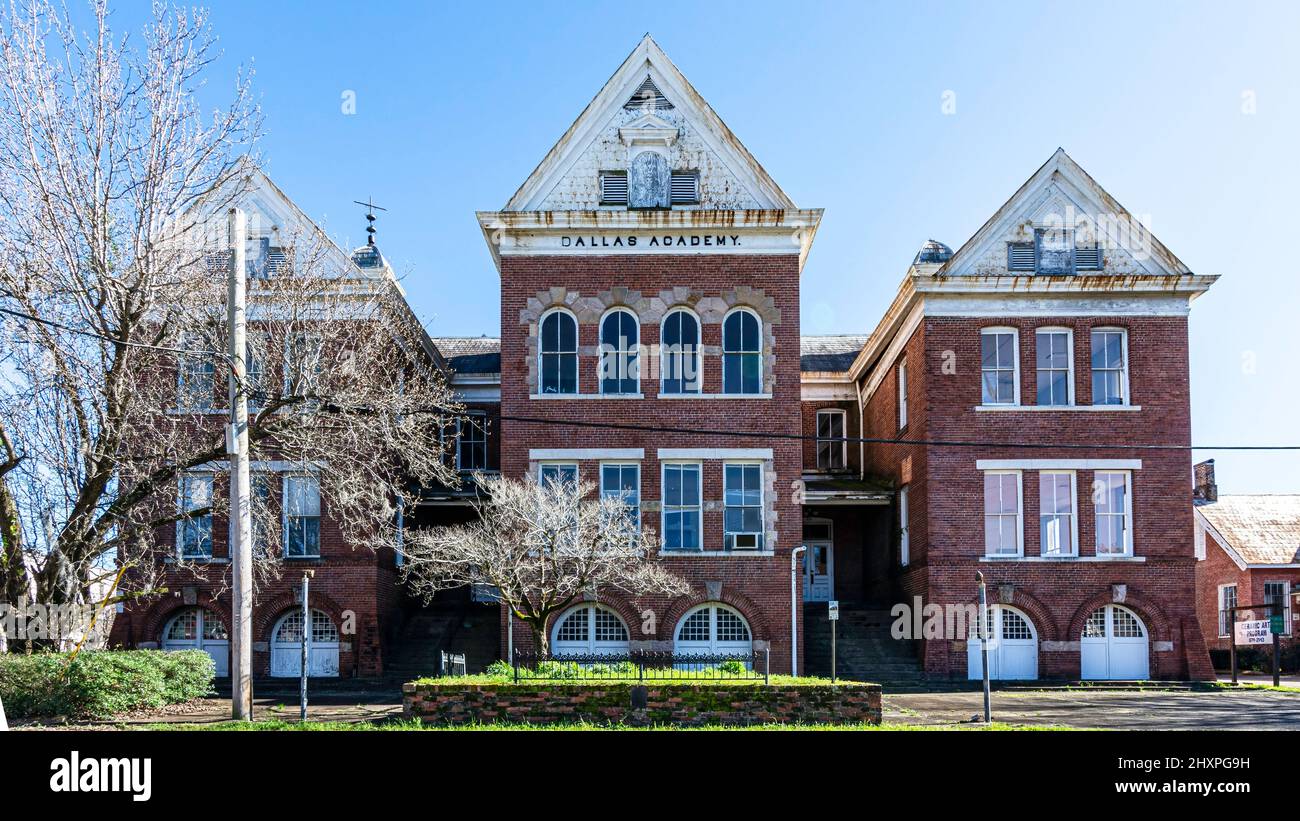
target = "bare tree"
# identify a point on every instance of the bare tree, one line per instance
(542, 546)
(114, 188)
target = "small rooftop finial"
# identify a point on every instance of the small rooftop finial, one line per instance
(370, 218)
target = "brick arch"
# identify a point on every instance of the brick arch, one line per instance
(758, 626)
(1044, 623)
(270, 612)
(630, 615)
(1158, 627)
(163, 612)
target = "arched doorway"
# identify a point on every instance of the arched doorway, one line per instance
(587, 630)
(322, 646)
(198, 628)
(1114, 645)
(1013, 646)
(713, 630)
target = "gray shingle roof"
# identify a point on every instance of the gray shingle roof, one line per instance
(471, 354)
(1262, 529)
(834, 352)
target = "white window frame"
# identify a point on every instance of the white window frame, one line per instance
(843, 440)
(904, 527)
(542, 353)
(1069, 369)
(477, 422)
(762, 507)
(742, 352)
(188, 365)
(629, 357)
(1126, 396)
(1128, 512)
(1286, 603)
(1226, 617)
(715, 645)
(1020, 511)
(902, 394)
(591, 645)
(1015, 363)
(623, 465)
(182, 554)
(284, 515)
(557, 465)
(698, 507)
(1074, 512)
(665, 355)
(313, 345)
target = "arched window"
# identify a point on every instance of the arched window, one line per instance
(559, 353)
(742, 353)
(322, 645)
(1114, 645)
(679, 353)
(620, 340)
(589, 629)
(198, 628)
(715, 630)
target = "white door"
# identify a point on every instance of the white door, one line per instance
(819, 572)
(1013, 646)
(1114, 645)
(322, 646)
(198, 628)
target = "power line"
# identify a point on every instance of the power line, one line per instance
(114, 340)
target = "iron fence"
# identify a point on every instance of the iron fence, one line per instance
(643, 666)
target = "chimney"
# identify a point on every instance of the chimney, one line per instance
(1204, 489)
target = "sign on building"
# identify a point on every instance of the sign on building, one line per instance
(1254, 632)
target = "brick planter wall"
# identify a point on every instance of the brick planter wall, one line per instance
(672, 704)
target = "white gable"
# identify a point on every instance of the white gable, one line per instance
(1062, 194)
(627, 117)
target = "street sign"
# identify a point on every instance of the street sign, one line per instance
(833, 610)
(1253, 632)
(1276, 626)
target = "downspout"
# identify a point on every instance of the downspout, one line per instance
(794, 609)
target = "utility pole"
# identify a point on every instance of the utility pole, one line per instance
(984, 644)
(241, 520)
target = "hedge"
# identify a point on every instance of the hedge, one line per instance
(99, 684)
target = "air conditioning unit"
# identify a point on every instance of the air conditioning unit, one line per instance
(746, 541)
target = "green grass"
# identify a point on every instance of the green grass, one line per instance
(721, 679)
(408, 725)
(1232, 688)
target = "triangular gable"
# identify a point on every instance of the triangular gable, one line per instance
(648, 97)
(1057, 189)
(646, 68)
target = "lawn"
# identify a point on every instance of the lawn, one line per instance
(400, 725)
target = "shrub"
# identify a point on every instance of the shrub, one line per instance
(500, 667)
(99, 684)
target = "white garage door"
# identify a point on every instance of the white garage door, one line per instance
(322, 646)
(589, 630)
(198, 628)
(1013, 646)
(1114, 645)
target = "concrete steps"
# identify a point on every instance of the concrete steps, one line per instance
(458, 627)
(864, 649)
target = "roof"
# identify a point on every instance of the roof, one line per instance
(932, 251)
(1260, 529)
(834, 352)
(471, 354)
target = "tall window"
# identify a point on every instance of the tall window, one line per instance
(1055, 367)
(302, 364)
(195, 376)
(831, 442)
(471, 442)
(1109, 367)
(1056, 513)
(255, 370)
(902, 394)
(1227, 601)
(620, 340)
(742, 357)
(1110, 496)
(681, 506)
(679, 353)
(623, 482)
(742, 516)
(1002, 530)
(301, 517)
(559, 353)
(558, 474)
(263, 495)
(904, 527)
(194, 535)
(1280, 592)
(999, 367)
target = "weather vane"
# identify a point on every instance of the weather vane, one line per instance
(370, 218)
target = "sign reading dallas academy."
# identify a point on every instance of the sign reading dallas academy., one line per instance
(605, 243)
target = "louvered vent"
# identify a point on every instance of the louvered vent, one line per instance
(648, 95)
(276, 259)
(217, 261)
(686, 188)
(1087, 259)
(613, 188)
(1020, 256)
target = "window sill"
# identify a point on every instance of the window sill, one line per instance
(303, 559)
(715, 396)
(717, 554)
(586, 396)
(1066, 408)
(196, 560)
(1064, 559)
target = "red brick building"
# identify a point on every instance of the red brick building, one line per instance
(995, 420)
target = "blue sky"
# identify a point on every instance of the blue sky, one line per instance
(456, 103)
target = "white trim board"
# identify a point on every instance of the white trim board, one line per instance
(549, 454)
(1058, 464)
(715, 453)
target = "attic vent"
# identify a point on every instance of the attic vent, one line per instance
(613, 188)
(685, 188)
(1087, 259)
(276, 259)
(1020, 256)
(217, 261)
(646, 94)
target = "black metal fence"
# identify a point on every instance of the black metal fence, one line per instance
(643, 666)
